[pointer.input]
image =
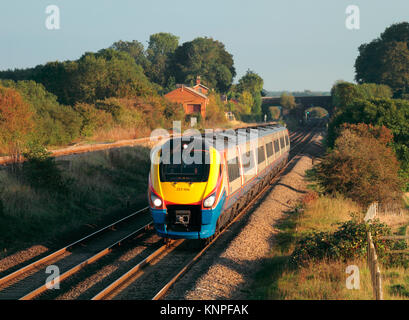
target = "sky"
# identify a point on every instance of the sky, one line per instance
(292, 44)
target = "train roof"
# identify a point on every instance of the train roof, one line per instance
(221, 139)
(240, 136)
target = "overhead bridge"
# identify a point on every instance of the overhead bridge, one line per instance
(307, 102)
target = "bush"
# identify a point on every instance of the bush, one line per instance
(348, 242)
(92, 119)
(361, 166)
(215, 110)
(41, 172)
(16, 123)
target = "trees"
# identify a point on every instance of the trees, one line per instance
(205, 57)
(394, 70)
(253, 83)
(55, 124)
(344, 93)
(135, 49)
(160, 50)
(215, 110)
(16, 121)
(391, 113)
(385, 60)
(287, 101)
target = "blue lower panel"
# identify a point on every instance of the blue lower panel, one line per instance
(208, 227)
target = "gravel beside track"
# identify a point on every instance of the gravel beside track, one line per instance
(36, 277)
(226, 270)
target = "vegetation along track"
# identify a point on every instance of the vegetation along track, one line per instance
(74, 261)
(154, 276)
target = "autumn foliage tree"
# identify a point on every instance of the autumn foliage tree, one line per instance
(362, 166)
(15, 122)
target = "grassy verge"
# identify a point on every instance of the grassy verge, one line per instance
(52, 203)
(280, 278)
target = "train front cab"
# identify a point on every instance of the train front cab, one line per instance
(186, 211)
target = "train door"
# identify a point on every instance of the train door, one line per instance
(269, 150)
(287, 140)
(233, 170)
(277, 151)
(248, 162)
(282, 142)
(261, 156)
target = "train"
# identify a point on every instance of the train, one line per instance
(199, 183)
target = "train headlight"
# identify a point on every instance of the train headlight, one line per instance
(157, 202)
(209, 201)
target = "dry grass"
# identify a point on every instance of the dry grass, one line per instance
(325, 213)
(324, 281)
(116, 134)
(406, 199)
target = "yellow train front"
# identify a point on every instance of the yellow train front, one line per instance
(197, 185)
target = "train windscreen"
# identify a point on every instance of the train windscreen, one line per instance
(193, 167)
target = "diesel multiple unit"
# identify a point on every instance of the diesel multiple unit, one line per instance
(197, 184)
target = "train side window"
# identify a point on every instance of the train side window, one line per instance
(269, 149)
(261, 154)
(287, 140)
(276, 146)
(233, 169)
(282, 142)
(247, 160)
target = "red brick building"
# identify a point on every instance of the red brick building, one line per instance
(194, 100)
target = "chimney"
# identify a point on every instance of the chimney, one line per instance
(197, 80)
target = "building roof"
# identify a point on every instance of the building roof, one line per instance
(195, 92)
(200, 85)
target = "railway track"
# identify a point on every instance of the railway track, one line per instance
(30, 281)
(175, 259)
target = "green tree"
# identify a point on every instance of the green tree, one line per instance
(287, 101)
(135, 49)
(245, 103)
(251, 82)
(160, 50)
(205, 57)
(344, 93)
(394, 70)
(385, 60)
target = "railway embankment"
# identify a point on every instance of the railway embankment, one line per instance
(45, 205)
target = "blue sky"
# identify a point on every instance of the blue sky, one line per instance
(292, 44)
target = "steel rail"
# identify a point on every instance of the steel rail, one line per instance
(81, 265)
(61, 251)
(129, 274)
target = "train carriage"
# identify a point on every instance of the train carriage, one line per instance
(197, 184)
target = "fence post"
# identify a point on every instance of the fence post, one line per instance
(374, 270)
